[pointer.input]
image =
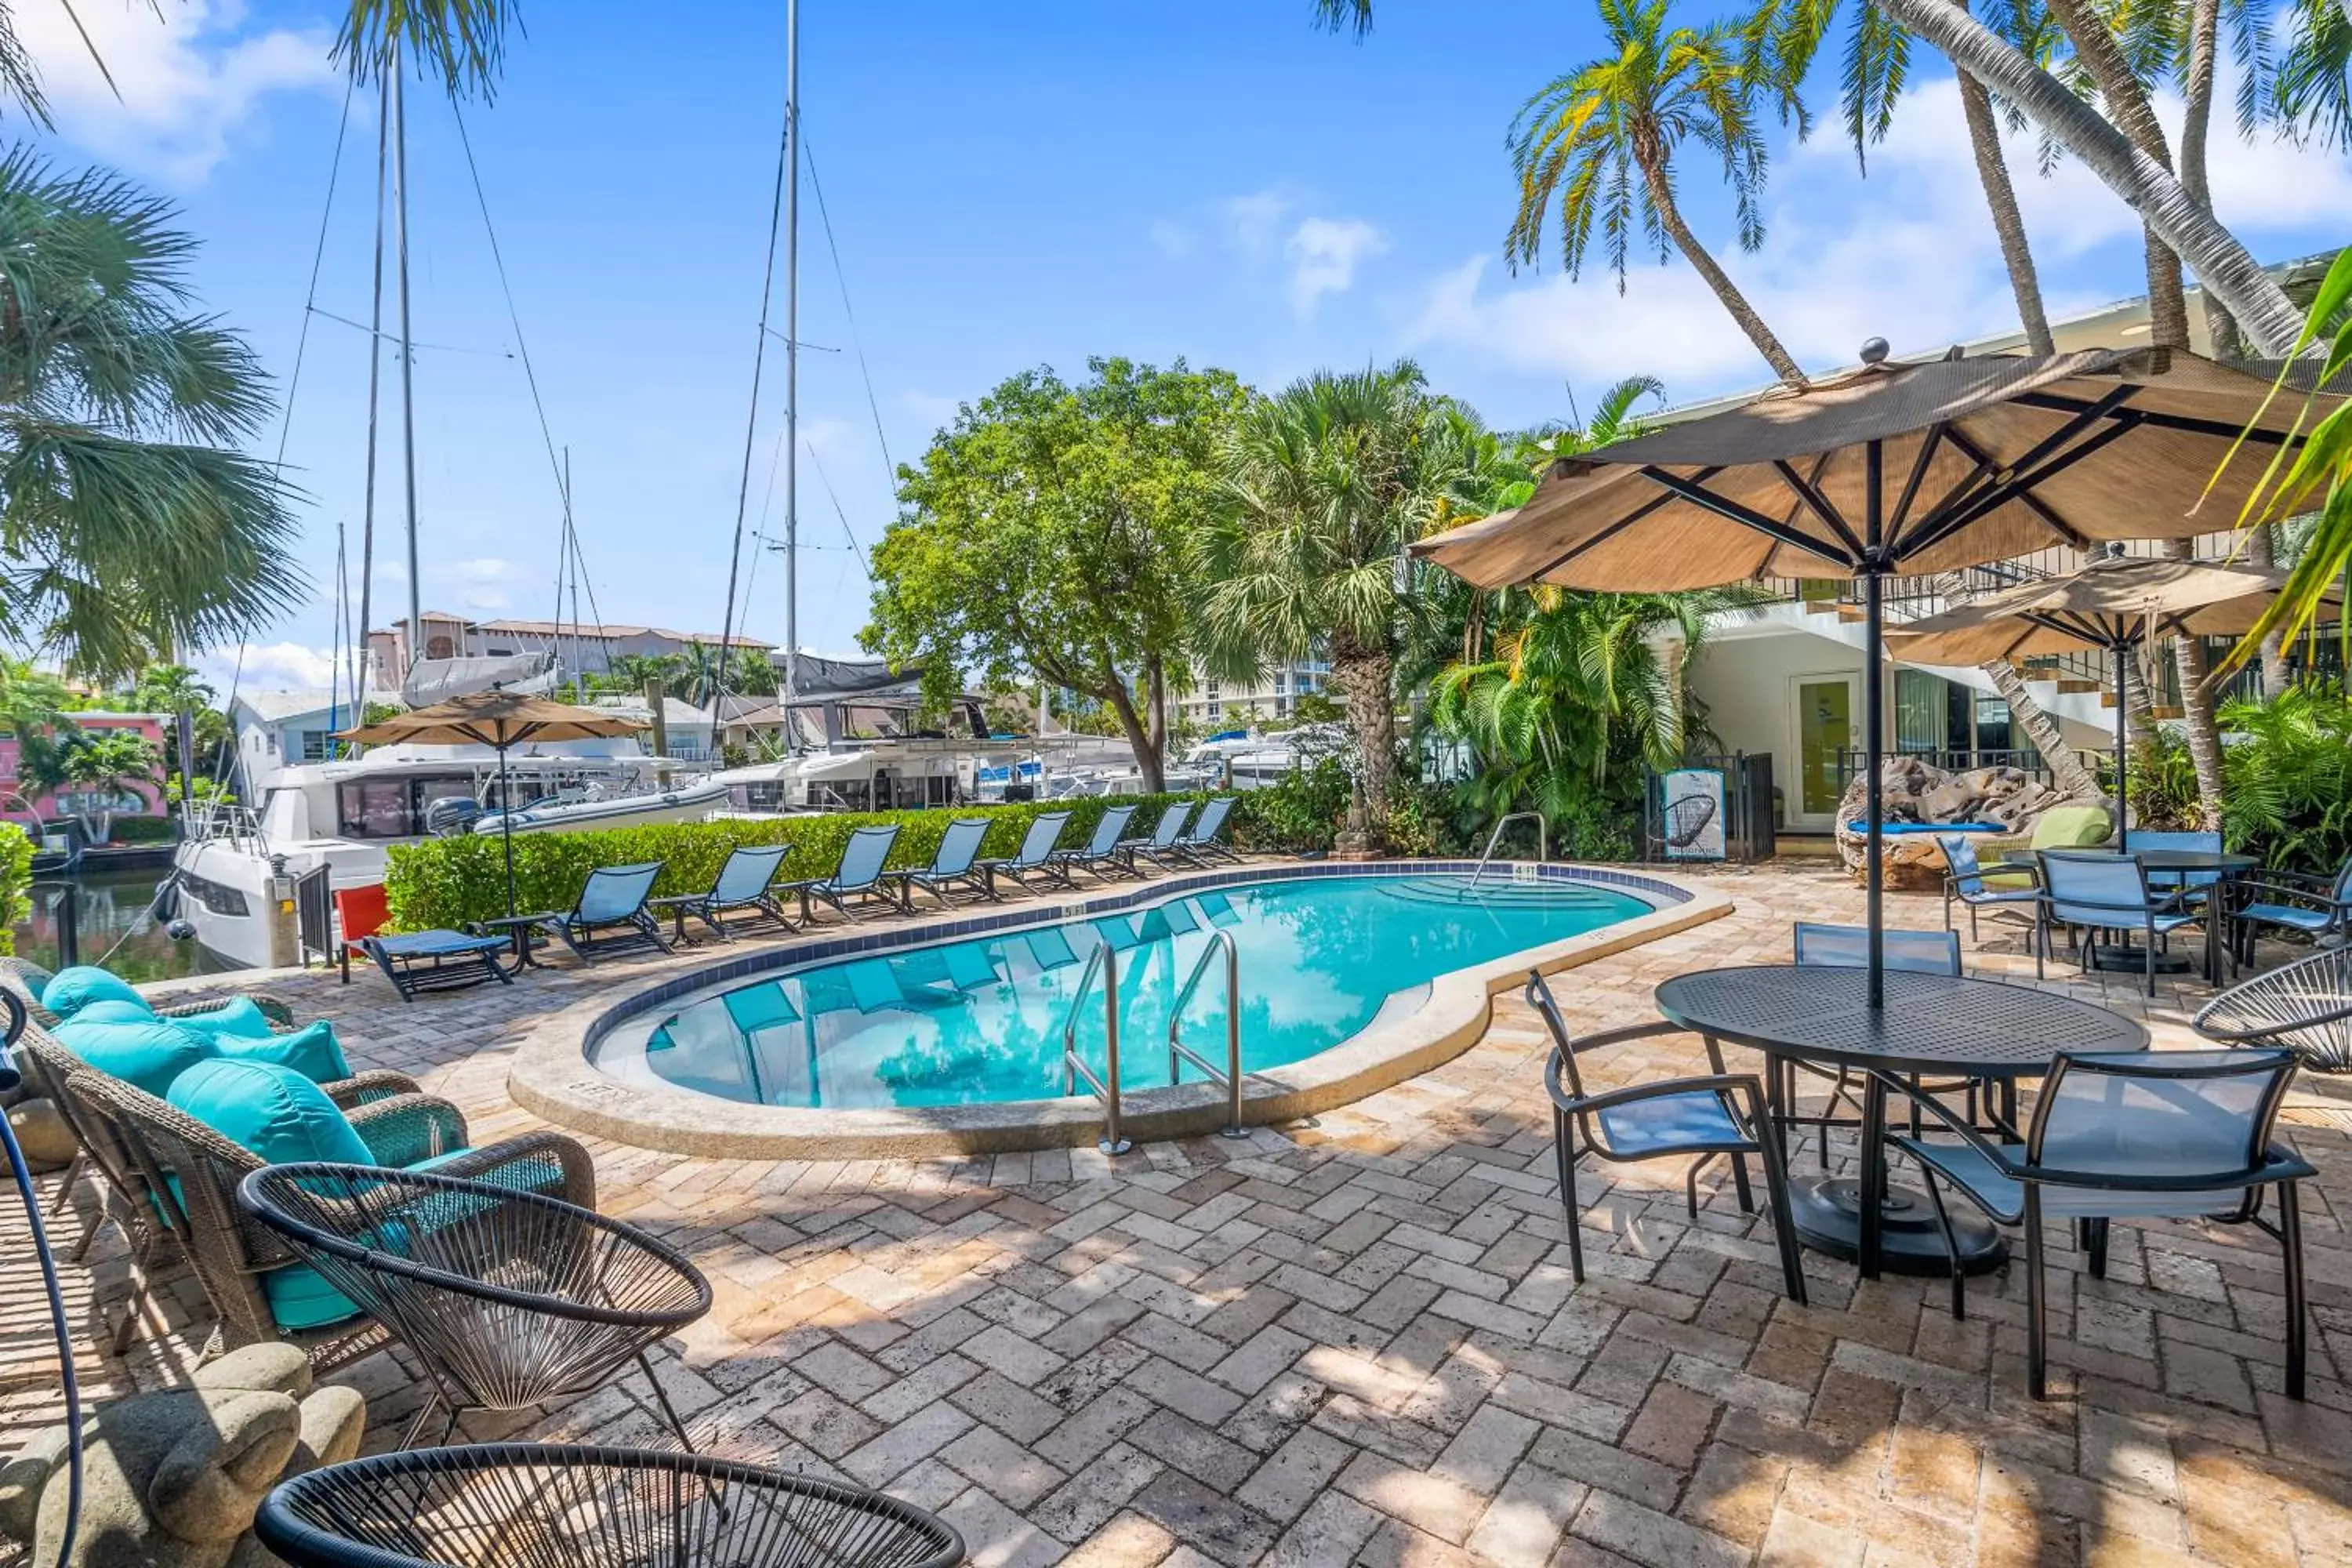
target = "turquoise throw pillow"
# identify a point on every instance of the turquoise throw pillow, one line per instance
(239, 1018)
(113, 1012)
(71, 990)
(269, 1109)
(312, 1051)
(151, 1053)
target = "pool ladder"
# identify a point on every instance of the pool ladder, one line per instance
(1543, 841)
(1103, 964)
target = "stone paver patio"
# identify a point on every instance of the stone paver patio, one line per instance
(1358, 1341)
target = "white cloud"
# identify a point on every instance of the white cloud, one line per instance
(188, 75)
(1251, 222)
(1323, 254)
(1908, 254)
(269, 667)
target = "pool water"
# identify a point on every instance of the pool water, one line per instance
(979, 1021)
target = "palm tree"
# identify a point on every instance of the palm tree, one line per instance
(98, 764)
(1600, 141)
(1326, 481)
(176, 690)
(131, 523)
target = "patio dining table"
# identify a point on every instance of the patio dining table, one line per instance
(1932, 1025)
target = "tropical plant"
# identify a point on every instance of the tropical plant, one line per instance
(97, 766)
(1328, 480)
(132, 523)
(1601, 142)
(16, 883)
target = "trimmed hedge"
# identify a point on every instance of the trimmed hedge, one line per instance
(145, 830)
(446, 882)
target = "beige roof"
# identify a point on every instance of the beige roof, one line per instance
(2108, 602)
(1981, 460)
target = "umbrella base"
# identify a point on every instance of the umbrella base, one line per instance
(1827, 1215)
(2127, 958)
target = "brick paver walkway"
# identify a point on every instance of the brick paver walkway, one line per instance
(1358, 1341)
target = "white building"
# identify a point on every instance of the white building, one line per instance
(1212, 702)
(686, 729)
(280, 729)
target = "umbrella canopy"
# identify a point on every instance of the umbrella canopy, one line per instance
(497, 718)
(1896, 468)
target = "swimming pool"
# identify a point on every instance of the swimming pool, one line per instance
(979, 1021)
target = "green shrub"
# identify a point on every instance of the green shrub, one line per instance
(16, 883)
(145, 830)
(1303, 813)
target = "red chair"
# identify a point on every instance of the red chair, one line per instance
(358, 911)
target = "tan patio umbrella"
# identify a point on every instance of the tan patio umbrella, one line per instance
(497, 718)
(2108, 606)
(1894, 469)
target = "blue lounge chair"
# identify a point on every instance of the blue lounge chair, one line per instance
(2140, 1135)
(1199, 845)
(1036, 853)
(1965, 880)
(1103, 850)
(957, 863)
(611, 914)
(860, 875)
(2098, 892)
(742, 884)
(1158, 845)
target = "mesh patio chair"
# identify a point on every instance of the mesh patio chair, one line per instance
(192, 1174)
(543, 1505)
(2192, 885)
(1720, 1115)
(859, 874)
(2143, 1135)
(1686, 820)
(741, 884)
(609, 914)
(957, 864)
(1964, 880)
(1036, 854)
(2100, 893)
(508, 1297)
(1200, 844)
(1158, 845)
(2305, 1007)
(1097, 852)
(2319, 908)
(1848, 947)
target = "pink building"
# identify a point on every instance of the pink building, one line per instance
(140, 797)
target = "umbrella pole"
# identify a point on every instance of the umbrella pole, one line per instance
(2123, 741)
(1872, 725)
(506, 827)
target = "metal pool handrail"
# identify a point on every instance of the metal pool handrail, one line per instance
(1103, 961)
(1543, 841)
(1230, 1076)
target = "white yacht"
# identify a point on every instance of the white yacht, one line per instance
(851, 739)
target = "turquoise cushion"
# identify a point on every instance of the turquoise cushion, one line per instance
(70, 990)
(300, 1299)
(311, 1050)
(271, 1110)
(112, 1011)
(151, 1053)
(238, 1019)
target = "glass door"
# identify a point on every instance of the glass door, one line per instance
(1828, 725)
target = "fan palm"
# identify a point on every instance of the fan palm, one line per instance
(1328, 481)
(1601, 143)
(127, 523)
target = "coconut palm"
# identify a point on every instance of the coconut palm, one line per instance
(1600, 141)
(128, 521)
(98, 764)
(1326, 481)
(176, 690)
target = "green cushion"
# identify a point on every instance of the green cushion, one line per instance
(70, 990)
(152, 1053)
(311, 1050)
(2071, 827)
(238, 1018)
(269, 1109)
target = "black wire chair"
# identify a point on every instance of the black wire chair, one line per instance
(2305, 1006)
(533, 1505)
(508, 1299)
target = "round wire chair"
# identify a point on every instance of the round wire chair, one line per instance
(507, 1298)
(2305, 1006)
(536, 1505)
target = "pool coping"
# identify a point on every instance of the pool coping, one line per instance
(552, 1078)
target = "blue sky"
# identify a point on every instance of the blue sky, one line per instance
(1009, 186)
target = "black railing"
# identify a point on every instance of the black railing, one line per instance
(1957, 760)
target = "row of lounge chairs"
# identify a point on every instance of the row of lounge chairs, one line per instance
(616, 909)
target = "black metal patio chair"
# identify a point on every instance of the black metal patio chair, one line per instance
(2305, 1006)
(510, 1298)
(543, 1505)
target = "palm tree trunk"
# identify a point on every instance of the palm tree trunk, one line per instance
(2067, 773)
(1661, 196)
(2196, 131)
(2197, 714)
(2008, 221)
(1366, 675)
(2262, 550)
(2228, 271)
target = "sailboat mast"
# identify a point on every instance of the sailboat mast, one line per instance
(791, 356)
(375, 387)
(407, 357)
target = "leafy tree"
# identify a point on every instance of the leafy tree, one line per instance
(1328, 481)
(99, 764)
(127, 522)
(1044, 534)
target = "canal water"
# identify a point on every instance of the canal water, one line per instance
(112, 918)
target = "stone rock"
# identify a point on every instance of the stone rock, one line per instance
(1912, 791)
(42, 1134)
(172, 1480)
(1951, 800)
